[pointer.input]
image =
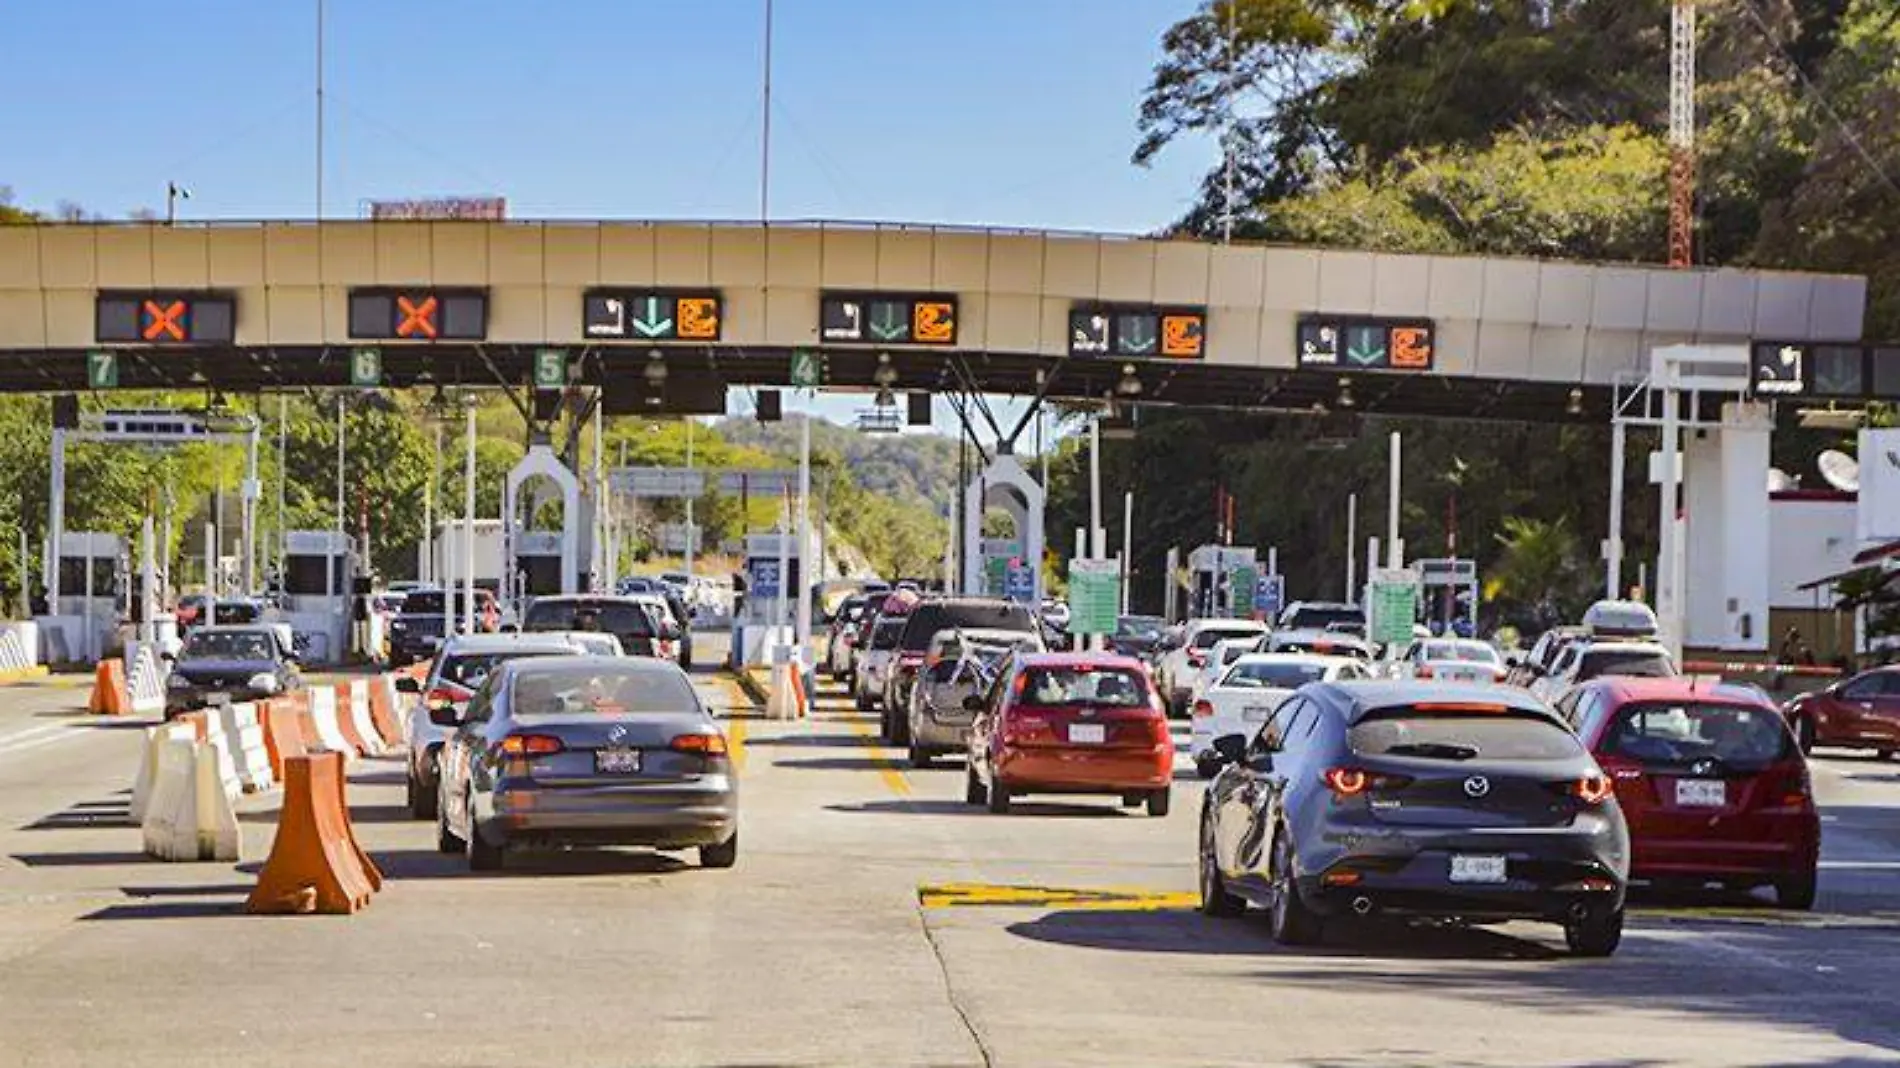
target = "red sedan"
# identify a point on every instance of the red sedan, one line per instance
(1071, 723)
(1710, 779)
(1860, 713)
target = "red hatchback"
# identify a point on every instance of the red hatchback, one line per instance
(1071, 723)
(1710, 778)
(1860, 713)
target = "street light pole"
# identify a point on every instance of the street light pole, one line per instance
(468, 521)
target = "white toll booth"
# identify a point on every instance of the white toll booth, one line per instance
(1210, 568)
(94, 584)
(773, 582)
(319, 572)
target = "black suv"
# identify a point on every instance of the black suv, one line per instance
(416, 632)
(923, 623)
(623, 617)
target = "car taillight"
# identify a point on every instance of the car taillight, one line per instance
(1424, 671)
(666, 649)
(699, 744)
(1794, 790)
(1592, 789)
(440, 698)
(531, 745)
(1203, 709)
(1197, 657)
(1347, 782)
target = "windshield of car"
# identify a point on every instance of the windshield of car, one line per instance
(1212, 636)
(1230, 653)
(236, 612)
(887, 633)
(1625, 663)
(230, 645)
(429, 602)
(1470, 652)
(470, 670)
(1268, 675)
(1317, 618)
(931, 619)
(604, 690)
(1495, 733)
(1145, 627)
(1106, 687)
(1682, 734)
(614, 617)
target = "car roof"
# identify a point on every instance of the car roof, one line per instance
(981, 634)
(1623, 690)
(238, 628)
(1358, 697)
(1319, 659)
(1328, 605)
(1057, 660)
(588, 598)
(1622, 647)
(619, 665)
(495, 643)
(1224, 623)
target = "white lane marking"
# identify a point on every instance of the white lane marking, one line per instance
(16, 736)
(33, 739)
(1860, 865)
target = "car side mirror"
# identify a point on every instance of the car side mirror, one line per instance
(974, 703)
(1230, 748)
(168, 656)
(669, 632)
(408, 684)
(445, 716)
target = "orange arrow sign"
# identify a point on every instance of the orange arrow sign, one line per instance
(934, 322)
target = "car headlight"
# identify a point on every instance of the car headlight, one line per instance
(264, 681)
(177, 682)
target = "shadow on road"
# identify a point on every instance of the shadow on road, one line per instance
(82, 859)
(817, 741)
(169, 910)
(1018, 809)
(837, 763)
(112, 812)
(1185, 931)
(399, 864)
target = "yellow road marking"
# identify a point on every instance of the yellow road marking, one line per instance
(1768, 917)
(1125, 899)
(887, 770)
(735, 743)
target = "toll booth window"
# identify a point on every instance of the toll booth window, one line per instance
(306, 576)
(72, 576)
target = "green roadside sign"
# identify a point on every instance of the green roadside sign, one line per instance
(366, 367)
(1240, 585)
(550, 369)
(1392, 596)
(1095, 596)
(808, 371)
(102, 369)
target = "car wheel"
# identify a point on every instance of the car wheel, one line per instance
(900, 729)
(973, 791)
(920, 758)
(999, 799)
(1215, 898)
(1134, 800)
(723, 855)
(862, 702)
(482, 856)
(1293, 923)
(1797, 891)
(1804, 733)
(1595, 932)
(421, 801)
(1160, 801)
(1206, 768)
(446, 840)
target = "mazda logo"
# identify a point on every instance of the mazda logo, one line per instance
(1477, 786)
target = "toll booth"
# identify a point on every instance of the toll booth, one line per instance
(94, 590)
(1211, 588)
(524, 572)
(319, 577)
(1448, 594)
(538, 563)
(768, 591)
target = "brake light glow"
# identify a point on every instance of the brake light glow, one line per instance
(1424, 671)
(517, 745)
(1203, 709)
(700, 744)
(1347, 782)
(1592, 789)
(442, 697)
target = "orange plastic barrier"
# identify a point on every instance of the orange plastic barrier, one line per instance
(347, 722)
(383, 713)
(283, 733)
(315, 863)
(109, 695)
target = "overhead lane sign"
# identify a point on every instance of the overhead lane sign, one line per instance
(1138, 332)
(1828, 372)
(1363, 344)
(383, 314)
(169, 318)
(888, 319)
(652, 315)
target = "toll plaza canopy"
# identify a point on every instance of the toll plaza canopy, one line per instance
(669, 314)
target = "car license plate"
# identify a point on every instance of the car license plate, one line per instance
(1477, 869)
(1256, 713)
(1701, 793)
(617, 761)
(217, 697)
(1088, 733)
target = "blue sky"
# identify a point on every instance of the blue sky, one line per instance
(992, 112)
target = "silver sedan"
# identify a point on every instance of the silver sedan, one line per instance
(587, 751)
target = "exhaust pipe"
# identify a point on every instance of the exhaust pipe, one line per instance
(1362, 905)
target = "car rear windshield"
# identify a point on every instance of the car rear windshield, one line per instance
(249, 645)
(1474, 652)
(1499, 733)
(1257, 676)
(929, 620)
(235, 612)
(614, 617)
(1679, 735)
(1211, 636)
(470, 670)
(1139, 626)
(1047, 687)
(606, 691)
(1322, 618)
(887, 633)
(429, 602)
(1625, 663)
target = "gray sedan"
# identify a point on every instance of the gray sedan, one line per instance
(587, 751)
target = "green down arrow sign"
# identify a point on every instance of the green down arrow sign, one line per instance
(650, 322)
(888, 321)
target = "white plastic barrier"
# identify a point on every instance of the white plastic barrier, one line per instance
(323, 713)
(190, 817)
(244, 738)
(787, 699)
(28, 635)
(142, 785)
(365, 723)
(15, 655)
(145, 680)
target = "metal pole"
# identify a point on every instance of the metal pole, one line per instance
(1352, 546)
(1098, 536)
(1668, 570)
(805, 568)
(765, 140)
(1613, 545)
(1393, 549)
(1128, 541)
(26, 576)
(148, 583)
(600, 495)
(468, 523)
(425, 557)
(217, 511)
(211, 575)
(56, 507)
(247, 502)
(341, 526)
(689, 502)
(283, 477)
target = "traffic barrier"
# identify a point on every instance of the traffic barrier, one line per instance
(354, 696)
(346, 719)
(323, 715)
(17, 660)
(286, 726)
(787, 700)
(144, 680)
(383, 706)
(243, 731)
(142, 784)
(315, 865)
(189, 815)
(108, 689)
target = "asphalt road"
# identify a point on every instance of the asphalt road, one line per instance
(873, 920)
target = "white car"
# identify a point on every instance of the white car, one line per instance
(1175, 671)
(1452, 660)
(1243, 698)
(1219, 659)
(874, 663)
(1584, 660)
(661, 609)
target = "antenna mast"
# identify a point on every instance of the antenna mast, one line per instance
(1682, 133)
